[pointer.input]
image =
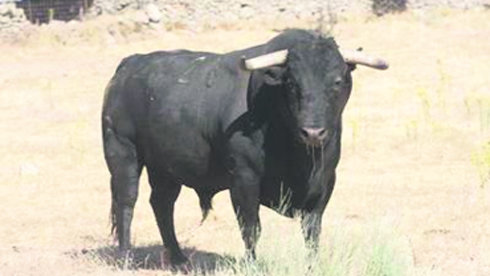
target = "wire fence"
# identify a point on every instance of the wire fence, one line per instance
(380, 7)
(45, 11)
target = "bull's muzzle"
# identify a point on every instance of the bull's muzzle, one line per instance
(313, 136)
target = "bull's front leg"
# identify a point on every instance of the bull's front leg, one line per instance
(311, 223)
(245, 198)
(246, 167)
(311, 218)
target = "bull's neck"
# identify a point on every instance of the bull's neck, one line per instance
(300, 161)
(303, 170)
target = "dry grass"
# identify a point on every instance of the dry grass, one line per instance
(410, 134)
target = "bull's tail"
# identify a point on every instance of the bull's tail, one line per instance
(113, 214)
(112, 217)
(205, 201)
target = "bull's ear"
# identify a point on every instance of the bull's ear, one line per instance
(273, 76)
(351, 67)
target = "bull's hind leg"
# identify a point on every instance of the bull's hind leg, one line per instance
(164, 193)
(125, 168)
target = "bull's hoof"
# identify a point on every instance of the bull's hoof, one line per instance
(250, 256)
(184, 268)
(176, 263)
(124, 258)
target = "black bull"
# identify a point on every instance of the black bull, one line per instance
(271, 136)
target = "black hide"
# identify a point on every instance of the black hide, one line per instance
(201, 120)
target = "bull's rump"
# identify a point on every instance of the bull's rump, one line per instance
(174, 106)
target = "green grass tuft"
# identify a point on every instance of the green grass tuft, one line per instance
(480, 158)
(347, 252)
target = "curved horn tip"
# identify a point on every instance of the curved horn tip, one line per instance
(357, 57)
(382, 65)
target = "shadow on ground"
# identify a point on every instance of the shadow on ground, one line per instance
(153, 258)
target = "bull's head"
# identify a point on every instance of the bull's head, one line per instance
(314, 83)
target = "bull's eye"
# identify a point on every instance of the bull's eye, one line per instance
(338, 81)
(290, 85)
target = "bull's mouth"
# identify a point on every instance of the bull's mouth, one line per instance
(314, 137)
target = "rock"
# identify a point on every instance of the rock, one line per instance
(4, 20)
(122, 4)
(153, 13)
(18, 13)
(247, 12)
(3, 9)
(11, 20)
(141, 17)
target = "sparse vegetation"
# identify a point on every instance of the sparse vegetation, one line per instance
(423, 95)
(411, 128)
(355, 128)
(347, 251)
(415, 151)
(480, 158)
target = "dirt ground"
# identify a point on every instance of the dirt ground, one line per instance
(411, 136)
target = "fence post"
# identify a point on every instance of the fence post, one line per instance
(50, 15)
(83, 10)
(29, 8)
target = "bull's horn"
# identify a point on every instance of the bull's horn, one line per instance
(357, 57)
(279, 57)
(274, 58)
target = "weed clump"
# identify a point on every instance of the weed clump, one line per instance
(480, 158)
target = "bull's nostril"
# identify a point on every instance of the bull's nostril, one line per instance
(313, 133)
(304, 132)
(313, 136)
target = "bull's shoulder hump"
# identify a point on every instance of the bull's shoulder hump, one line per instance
(137, 62)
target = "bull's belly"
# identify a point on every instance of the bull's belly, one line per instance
(184, 160)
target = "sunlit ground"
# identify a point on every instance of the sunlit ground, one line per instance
(413, 176)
